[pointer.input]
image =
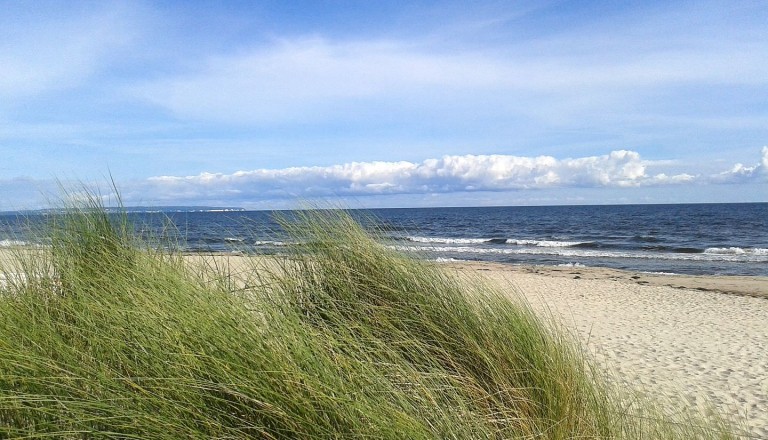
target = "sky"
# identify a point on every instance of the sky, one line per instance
(274, 104)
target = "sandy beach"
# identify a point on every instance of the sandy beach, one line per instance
(696, 340)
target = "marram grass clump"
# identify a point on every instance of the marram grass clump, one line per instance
(104, 337)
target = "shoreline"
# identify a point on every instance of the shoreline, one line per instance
(741, 285)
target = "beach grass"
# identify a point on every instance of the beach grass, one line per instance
(104, 336)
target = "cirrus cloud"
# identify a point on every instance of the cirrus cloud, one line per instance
(313, 79)
(41, 53)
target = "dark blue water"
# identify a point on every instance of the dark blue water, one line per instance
(692, 239)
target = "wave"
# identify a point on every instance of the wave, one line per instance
(441, 240)
(235, 241)
(591, 245)
(679, 250)
(548, 243)
(270, 243)
(603, 249)
(512, 241)
(755, 256)
(13, 243)
(646, 239)
(736, 251)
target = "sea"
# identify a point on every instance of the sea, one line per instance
(696, 239)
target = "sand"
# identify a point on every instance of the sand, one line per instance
(680, 337)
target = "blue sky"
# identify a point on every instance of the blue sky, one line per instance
(266, 104)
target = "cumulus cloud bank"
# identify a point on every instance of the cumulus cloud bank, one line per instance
(458, 177)
(467, 173)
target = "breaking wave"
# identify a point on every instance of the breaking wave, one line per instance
(758, 255)
(512, 241)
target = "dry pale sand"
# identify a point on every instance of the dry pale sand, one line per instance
(676, 336)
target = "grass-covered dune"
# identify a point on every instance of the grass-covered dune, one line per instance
(104, 337)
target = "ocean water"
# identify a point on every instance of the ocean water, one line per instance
(701, 239)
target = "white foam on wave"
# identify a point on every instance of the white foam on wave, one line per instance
(736, 251)
(590, 253)
(13, 243)
(270, 243)
(544, 243)
(518, 242)
(449, 260)
(441, 240)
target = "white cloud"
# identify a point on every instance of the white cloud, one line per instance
(466, 179)
(469, 173)
(310, 79)
(743, 173)
(764, 162)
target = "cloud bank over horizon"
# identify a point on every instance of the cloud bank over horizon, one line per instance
(449, 174)
(615, 177)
